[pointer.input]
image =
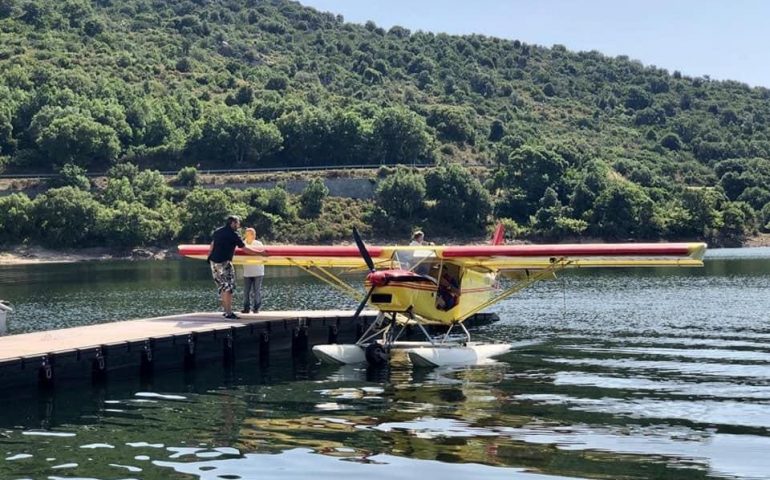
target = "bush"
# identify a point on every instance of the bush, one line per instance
(187, 177)
(671, 141)
(205, 210)
(120, 170)
(132, 224)
(15, 218)
(71, 175)
(401, 195)
(312, 198)
(66, 217)
(461, 202)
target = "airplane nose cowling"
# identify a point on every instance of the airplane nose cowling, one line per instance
(378, 279)
(384, 277)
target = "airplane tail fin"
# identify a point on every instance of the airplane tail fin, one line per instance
(499, 236)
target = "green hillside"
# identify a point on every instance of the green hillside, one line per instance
(577, 143)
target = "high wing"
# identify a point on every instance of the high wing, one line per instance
(532, 257)
(488, 257)
(300, 255)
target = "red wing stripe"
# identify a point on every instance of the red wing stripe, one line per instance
(290, 251)
(576, 250)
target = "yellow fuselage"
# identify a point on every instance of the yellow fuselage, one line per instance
(441, 302)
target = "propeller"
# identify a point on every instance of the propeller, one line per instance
(363, 303)
(369, 263)
(362, 250)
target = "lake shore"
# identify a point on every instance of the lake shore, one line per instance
(30, 255)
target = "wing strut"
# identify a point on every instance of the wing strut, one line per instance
(329, 278)
(556, 264)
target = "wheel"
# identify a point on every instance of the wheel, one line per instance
(376, 355)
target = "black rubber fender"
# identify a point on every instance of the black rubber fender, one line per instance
(377, 355)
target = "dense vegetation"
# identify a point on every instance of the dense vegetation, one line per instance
(577, 143)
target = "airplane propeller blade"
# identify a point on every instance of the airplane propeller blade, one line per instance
(363, 250)
(363, 303)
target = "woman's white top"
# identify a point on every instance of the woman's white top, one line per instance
(254, 270)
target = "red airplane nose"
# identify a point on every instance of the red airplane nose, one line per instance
(378, 279)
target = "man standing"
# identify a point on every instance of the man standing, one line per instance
(224, 241)
(417, 238)
(252, 277)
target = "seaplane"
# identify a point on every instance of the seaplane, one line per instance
(426, 286)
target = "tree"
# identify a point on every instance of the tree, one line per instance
(735, 183)
(454, 124)
(205, 210)
(757, 197)
(496, 131)
(401, 195)
(637, 99)
(400, 136)
(35, 14)
(78, 139)
(764, 217)
(118, 190)
(461, 202)
(7, 8)
(133, 224)
(226, 135)
(552, 218)
(277, 82)
(738, 222)
(7, 142)
(531, 169)
(621, 211)
(66, 217)
(671, 141)
(701, 213)
(150, 188)
(71, 175)
(15, 222)
(125, 169)
(312, 198)
(279, 203)
(187, 177)
(512, 203)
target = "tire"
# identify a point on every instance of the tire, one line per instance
(376, 355)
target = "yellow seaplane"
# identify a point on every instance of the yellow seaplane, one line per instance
(445, 285)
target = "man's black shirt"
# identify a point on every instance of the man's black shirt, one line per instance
(225, 240)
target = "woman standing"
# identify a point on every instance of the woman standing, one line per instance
(252, 277)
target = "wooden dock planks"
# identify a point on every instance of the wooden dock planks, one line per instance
(92, 336)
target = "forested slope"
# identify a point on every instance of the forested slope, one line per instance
(577, 142)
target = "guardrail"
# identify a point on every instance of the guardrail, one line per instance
(226, 171)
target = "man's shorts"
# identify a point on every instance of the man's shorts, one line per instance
(224, 276)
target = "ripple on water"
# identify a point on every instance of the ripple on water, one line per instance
(705, 412)
(733, 456)
(662, 387)
(692, 353)
(684, 368)
(296, 463)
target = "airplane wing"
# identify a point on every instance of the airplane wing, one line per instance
(488, 257)
(520, 257)
(300, 255)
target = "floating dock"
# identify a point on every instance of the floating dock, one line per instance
(141, 347)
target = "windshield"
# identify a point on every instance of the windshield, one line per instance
(424, 262)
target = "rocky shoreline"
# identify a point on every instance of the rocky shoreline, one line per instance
(27, 255)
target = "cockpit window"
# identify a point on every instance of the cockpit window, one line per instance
(412, 259)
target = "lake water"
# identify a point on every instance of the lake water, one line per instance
(659, 373)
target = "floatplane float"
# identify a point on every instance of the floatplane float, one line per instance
(444, 285)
